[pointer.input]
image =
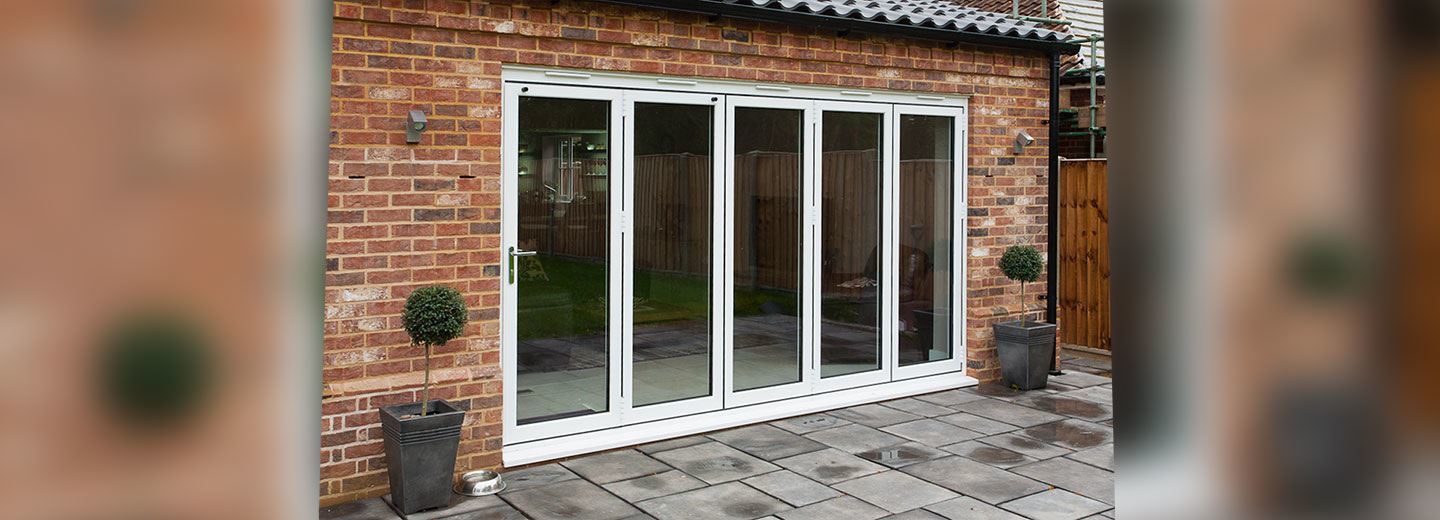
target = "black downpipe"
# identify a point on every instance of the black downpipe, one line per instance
(1052, 212)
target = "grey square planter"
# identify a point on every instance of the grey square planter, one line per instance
(420, 453)
(1025, 353)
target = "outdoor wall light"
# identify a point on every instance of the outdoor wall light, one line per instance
(414, 126)
(1022, 140)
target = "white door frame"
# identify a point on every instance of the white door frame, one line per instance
(887, 345)
(509, 236)
(959, 238)
(715, 400)
(622, 424)
(804, 385)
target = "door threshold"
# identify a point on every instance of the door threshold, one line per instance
(531, 452)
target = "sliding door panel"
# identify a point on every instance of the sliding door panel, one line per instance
(673, 355)
(930, 253)
(850, 257)
(561, 259)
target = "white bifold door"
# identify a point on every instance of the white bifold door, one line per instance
(669, 254)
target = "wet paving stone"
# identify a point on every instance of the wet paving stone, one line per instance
(1055, 504)
(855, 438)
(810, 423)
(830, 466)
(1025, 445)
(848, 508)
(791, 487)
(715, 463)
(536, 476)
(658, 485)
(730, 501)
(571, 499)
(1102, 456)
(902, 455)
(1076, 477)
(874, 415)
(1070, 433)
(615, 466)
(978, 424)
(967, 508)
(974, 479)
(992, 455)
(931, 432)
(950, 397)
(895, 492)
(1009, 413)
(767, 442)
(918, 407)
(915, 514)
(1068, 406)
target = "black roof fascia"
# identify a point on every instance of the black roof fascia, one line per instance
(840, 23)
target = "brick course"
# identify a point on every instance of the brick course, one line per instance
(406, 216)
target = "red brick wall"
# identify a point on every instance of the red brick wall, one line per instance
(402, 217)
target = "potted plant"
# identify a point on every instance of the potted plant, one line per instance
(421, 439)
(1025, 346)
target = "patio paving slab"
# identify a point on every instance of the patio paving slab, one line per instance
(1098, 394)
(918, 407)
(1077, 477)
(931, 432)
(1055, 504)
(977, 423)
(978, 480)
(615, 466)
(901, 455)
(672, 444)
(536, 476)
(571, 499)
(895, 492)
(855, 438)
(993, 455)
(915, 514)
(986, 452)
(714, 462)
(657, 485)
(829, 466)
(848, 508)
(874, 415)
(1071, 433)
(767, 442)
(950, 398)
(1009, 413)
(1026, 445)
(1069, 406)
(810, 423)
(729, 501)
(1102, 456)
(967, 508)
(1079, 379)
(792, 488)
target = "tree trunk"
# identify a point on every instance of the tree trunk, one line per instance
(425, 393)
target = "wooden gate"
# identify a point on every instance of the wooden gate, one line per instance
(1084, 305)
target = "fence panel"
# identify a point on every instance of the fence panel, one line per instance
(1084, 300)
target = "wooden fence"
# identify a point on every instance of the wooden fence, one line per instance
(1084, 304)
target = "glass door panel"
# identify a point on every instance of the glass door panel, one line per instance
(560, 261)
(850, 256)
(926, 261)
(672, 284)
(768, 221)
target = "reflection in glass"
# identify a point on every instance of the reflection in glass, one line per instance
(850, 168)
(672, 288)
(927, 240)
(563, 165)
(767, 224)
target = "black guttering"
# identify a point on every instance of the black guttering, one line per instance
(838, 24)
(1052, 202)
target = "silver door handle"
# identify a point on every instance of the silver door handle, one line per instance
(514, 253)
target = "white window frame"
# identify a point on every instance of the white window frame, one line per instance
(623, 424)
(734, 397)
(959, 240)
(715, 400)
(883, 372)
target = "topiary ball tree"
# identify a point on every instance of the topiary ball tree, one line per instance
(433, 316)
(1022, 264)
